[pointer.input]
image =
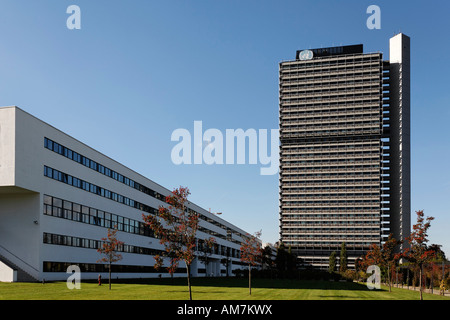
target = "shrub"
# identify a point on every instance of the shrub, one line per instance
(362, 276)
(350, 275)
(447, 283)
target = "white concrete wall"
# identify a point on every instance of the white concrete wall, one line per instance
(20, 236)
(7, 274)
(7, 146)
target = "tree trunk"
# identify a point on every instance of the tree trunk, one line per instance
(109, 271)
(431, 281)
(420, 282)
(407, 278)
(389, 276)
(250, 279)
(396, 277)
(189, 280)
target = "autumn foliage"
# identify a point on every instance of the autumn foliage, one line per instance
(110, 248)
(251, 254)
(175, 226)
(419, 253)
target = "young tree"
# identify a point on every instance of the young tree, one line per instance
(359, 269)
(359, 264)
(266, 258)
(418, 253)
(110, 247)
(385, 257)
(343, 259)
(373, 257)
(281, 258)
(389, 256)
(438, 262)
(251, 254)
(439, 255)
(291, 260)
(332, 262)
(285, 260)
(176, 227)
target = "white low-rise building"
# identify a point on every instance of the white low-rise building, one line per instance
(58, 196)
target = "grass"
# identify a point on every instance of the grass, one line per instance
(207, 289)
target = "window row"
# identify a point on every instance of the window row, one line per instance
(72, 155)
(323, 152)
(53, 266)
(327, 194)
(100, 191)
(310, 210)
(344, 68)
(330, 222)
(293, 173)
(330, 229)
(348, 237)
(63, 240)
(73, 211)
(349, 121)
(316, 245)
(92, 188)
(296, 166)
(328, 162)
(329, 202)
(64, 209)
(327, 188)
(327, 116)
(352, 180)
(334, 216)
(331, 131)
(325, 104)
(341, 83)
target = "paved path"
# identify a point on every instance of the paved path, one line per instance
(435, 291)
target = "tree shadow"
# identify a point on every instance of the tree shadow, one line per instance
(242, 282)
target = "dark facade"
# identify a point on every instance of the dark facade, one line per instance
(336, 132)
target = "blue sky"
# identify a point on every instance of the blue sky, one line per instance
(138, 70)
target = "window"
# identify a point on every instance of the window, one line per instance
(78, 183)
(68, 153)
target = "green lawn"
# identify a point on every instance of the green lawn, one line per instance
(207, 289)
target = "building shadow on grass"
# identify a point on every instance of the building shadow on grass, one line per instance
(242, 282)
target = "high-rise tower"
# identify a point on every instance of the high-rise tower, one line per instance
(345, 151)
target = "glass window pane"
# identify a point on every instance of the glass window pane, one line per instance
(57, 202)
(47, 200)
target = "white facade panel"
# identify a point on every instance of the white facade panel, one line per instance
(7, 146)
